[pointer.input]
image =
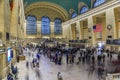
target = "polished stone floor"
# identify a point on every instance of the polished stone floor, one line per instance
(48, 70)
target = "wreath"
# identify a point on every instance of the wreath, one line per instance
(109, 27)
(89, 29)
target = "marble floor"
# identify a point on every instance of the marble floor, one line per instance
(48, 70)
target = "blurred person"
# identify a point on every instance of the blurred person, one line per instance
(37, 71)
(59, 76)
(27, 64)
(27, 77)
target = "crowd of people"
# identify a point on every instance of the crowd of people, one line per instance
(13, 72)
(73, 55)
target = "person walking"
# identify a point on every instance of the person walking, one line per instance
(59, 76)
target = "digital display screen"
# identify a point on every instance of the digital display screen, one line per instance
(9, 54)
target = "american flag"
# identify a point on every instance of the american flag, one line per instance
(97, 28)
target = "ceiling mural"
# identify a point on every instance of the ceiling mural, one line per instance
(66, 4)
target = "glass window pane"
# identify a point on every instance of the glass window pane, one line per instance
(83, 10)
(31, 27)
(57, 26)
(45, 29)
(73, 15)
(98, 2)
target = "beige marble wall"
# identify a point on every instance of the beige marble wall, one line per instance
(2, 20)
(104, 29)
(66, 31)
(14, 20)
(73, 31)
(38, 29)
(0, 65)
(108, 10)
(110, 20)
(52, 29)
(3, 65)
(119, 29)
(78, 29)
(4, 27)
(17, 20)
(90, 25)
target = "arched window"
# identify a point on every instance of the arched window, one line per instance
(73, 15)
(58, 26)
(45, 26)
(83, 9)
(98, 2)
(31, 27)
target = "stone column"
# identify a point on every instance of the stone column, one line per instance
(78, 29)
(3, 65)
(25, 24)
(4, 62)
(38, 29)
(110, 20)
(0, 65)
(52, 30)
(119, 34)
(2, 21)
(90, 25)
(70, 31)
(65, 31)
(14, 20)
(119, 29)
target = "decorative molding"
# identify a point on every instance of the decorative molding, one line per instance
(48, 5)
(102, 8)
(80, 5)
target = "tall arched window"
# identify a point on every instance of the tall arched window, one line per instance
(83, 9)
(98, 2)
(45, 26)
(58, 26)
(73, 15)
(31, 27)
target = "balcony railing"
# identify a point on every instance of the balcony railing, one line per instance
(113, 41)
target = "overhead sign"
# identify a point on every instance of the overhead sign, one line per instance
(2, 50)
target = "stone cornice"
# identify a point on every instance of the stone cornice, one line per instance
(94, 11)
(48, 5)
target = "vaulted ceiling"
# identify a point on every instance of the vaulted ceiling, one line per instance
(52, 8)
